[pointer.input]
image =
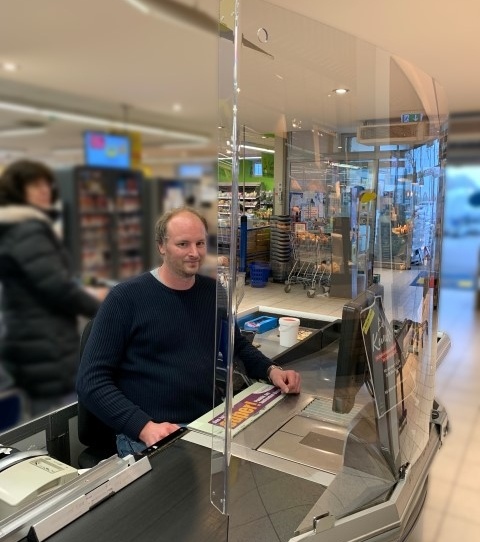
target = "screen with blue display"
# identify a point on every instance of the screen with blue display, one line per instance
(257, 169)
(107, 150)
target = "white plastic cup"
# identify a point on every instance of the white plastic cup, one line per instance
(288, 330)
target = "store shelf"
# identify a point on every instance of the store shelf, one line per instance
(248, 197)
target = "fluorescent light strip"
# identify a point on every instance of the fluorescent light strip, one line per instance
(261, 149)
(98, 121)
(22, 131)
(346, 166)
(179, 146)
(229, 158)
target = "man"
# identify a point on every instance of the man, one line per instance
(148, 365)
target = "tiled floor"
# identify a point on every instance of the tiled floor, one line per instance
(452, 508)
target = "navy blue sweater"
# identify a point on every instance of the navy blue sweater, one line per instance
(151, 352)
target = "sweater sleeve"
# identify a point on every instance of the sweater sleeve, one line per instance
(99, 365)
(256, 362)
(42, 261)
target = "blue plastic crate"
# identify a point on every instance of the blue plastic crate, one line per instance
(259, 273)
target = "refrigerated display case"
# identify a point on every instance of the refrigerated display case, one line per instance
(103, 221)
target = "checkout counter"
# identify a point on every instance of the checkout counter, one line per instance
(297, 470)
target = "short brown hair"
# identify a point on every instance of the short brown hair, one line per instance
(162, 222)
(18, 175)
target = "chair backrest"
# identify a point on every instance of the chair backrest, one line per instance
(91, 430)
(11, 408)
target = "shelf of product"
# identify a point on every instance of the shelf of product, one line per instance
(248, 198)
(103, 220)
(258, 241)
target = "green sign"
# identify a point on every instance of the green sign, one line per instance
(411, 117)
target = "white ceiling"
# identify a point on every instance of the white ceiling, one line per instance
(107, 58)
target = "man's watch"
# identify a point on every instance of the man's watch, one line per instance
(270, 369)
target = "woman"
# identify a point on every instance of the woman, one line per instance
(41, 300)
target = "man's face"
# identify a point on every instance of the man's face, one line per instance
(185, 247)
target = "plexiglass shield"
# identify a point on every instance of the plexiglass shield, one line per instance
(345, 145)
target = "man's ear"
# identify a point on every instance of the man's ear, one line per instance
(160, 249)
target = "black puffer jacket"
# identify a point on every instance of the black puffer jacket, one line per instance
(40, 304)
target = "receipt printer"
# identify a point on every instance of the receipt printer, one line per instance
(27, 475)
(261, 324)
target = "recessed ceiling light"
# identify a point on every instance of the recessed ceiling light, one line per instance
(340, 90)
(9, 66)
(177, 107)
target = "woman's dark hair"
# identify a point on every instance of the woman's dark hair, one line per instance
(18, 175)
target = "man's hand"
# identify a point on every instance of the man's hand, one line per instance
(153, 432)
(287, 381)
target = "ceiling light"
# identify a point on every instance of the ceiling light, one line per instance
(229, 158)
(177, 107)
(10, 66)
(261, 149)
(22, 131)
(99, 121)
(340, 91)
(137, 4)
(341, 165)
(187, 145)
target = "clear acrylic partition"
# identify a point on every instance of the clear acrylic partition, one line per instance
(359, 173)
(226, 247)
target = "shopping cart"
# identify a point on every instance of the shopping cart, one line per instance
(312, 262)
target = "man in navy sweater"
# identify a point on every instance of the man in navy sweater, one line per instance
(148, 364)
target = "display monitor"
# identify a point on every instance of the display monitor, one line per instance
(257, 169)
(352, 360)
(107, 150)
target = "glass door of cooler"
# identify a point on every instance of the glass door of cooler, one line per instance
(104, 219)
(128, 224)
(95, 224)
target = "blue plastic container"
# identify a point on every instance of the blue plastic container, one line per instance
(261, 324)
(259, 273)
